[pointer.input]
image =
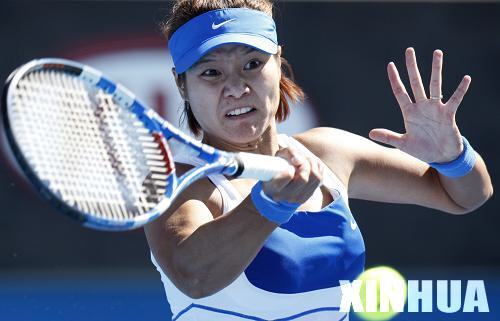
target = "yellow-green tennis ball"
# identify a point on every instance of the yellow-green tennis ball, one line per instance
(379, 284)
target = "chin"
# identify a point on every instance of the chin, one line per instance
(243, 139)
(244, 135)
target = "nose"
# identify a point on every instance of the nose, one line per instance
(235, 87)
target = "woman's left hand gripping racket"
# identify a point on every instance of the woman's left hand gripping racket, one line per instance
(99, 154)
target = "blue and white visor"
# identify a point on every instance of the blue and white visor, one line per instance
(212, 29)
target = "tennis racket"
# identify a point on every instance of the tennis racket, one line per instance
(98, 153)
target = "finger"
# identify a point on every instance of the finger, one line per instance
(277, 184)
(303, 186)
(294, 156)
(456, 99)
(386, 136)
(286, 153)
(283, 178)
(314, 174)
(436, 75)
(397, 86)
(298, 160)
(303, 168)
(414, 74)
(317, 170)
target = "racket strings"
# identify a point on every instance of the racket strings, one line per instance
(120, 149)
(92, 153)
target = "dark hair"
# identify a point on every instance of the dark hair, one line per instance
(185, 10)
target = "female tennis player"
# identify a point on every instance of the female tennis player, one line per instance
(237, 249)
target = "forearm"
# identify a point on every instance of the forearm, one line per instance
(471, 190)
(218, 251)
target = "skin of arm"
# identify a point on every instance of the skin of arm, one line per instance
(401, 174)
(377, 173)
(202, 254)
(203, 251)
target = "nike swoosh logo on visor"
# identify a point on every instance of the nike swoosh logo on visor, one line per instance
(217, 26)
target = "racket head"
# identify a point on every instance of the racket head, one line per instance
(88, 145)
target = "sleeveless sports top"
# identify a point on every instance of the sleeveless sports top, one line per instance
(295, 276)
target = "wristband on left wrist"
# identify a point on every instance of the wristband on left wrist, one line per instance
(460, 166)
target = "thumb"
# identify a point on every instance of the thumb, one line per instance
(386, 136)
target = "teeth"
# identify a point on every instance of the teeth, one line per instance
(239, 111)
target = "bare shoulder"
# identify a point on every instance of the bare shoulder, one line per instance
(325, 138)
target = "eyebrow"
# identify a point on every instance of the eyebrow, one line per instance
(208, 59)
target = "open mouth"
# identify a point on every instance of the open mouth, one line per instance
(240, 111)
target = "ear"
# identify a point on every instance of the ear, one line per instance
(278, 57)
(280, 50)
(181, 84)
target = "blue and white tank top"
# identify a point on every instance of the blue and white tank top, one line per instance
(295, 276)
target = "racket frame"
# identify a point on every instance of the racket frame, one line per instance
(216, 161)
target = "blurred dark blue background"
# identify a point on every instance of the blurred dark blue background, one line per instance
(52, 269)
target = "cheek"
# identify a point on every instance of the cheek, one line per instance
(200, 98)
(203, 105)
(272, 84)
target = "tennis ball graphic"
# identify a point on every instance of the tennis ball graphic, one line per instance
(383, 288)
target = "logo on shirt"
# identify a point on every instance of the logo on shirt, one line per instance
(217, 26)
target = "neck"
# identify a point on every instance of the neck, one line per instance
(266, 144)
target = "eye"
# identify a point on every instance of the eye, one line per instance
(210, 73)
(252, 64)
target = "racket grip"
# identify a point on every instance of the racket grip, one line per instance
(261, 167)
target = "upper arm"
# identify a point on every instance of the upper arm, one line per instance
(198, 204)
(377, 173)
